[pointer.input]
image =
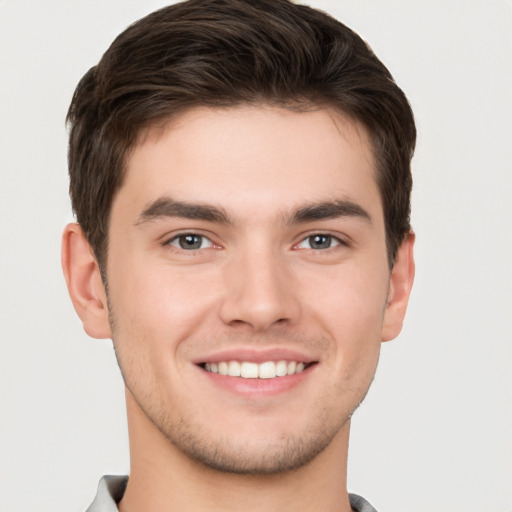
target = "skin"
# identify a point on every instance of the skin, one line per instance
(256, 287)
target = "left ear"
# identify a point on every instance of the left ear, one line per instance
(400, 285)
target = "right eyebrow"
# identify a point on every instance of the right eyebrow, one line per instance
(168, 207)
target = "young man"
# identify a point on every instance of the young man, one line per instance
(240, 172)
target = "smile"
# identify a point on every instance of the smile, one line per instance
(250, 370)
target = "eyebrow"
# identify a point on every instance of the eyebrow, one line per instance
(329, 210)
(168, 207)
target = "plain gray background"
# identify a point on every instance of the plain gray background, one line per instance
(434, 434)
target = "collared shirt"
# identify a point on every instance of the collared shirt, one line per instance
(111, 490)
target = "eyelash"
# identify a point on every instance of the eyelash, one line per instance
(182, 237)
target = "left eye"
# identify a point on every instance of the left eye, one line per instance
(190, 242)
(319, 242)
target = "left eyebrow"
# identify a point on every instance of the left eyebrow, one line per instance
(329, 210)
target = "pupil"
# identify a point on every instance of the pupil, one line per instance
(320, 241)
(190, 241)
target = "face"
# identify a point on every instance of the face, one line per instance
(248, 283)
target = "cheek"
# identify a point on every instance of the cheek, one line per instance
(351, 299)
(351, 309)
(159, 305)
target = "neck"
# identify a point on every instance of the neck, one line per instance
(162, 478)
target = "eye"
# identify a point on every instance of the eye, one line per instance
(319, 241)
(190, 242)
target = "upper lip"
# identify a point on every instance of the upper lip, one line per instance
(255, 355)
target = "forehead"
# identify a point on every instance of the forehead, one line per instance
(260, 157)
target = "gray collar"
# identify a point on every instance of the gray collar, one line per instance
(111, 489)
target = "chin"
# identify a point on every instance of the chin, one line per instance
(244, 455)
(288, 456)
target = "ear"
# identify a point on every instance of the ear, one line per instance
(400, 285)
(84, 282)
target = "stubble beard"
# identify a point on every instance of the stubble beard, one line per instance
(239, 455)
(189, 436)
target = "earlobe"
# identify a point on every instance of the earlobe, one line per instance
(400, 285)
(83, 279)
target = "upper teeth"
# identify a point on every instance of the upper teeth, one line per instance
(247, 370)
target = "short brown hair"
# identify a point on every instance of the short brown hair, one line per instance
(225, 53)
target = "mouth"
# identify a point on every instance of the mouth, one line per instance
(253, 370)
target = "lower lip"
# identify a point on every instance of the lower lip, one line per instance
(258, 387)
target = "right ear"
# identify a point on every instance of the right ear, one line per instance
(83, 279)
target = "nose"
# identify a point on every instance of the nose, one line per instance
(259, 292)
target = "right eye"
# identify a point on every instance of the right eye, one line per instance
(190, 242)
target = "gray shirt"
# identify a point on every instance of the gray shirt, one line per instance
(111, 490)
